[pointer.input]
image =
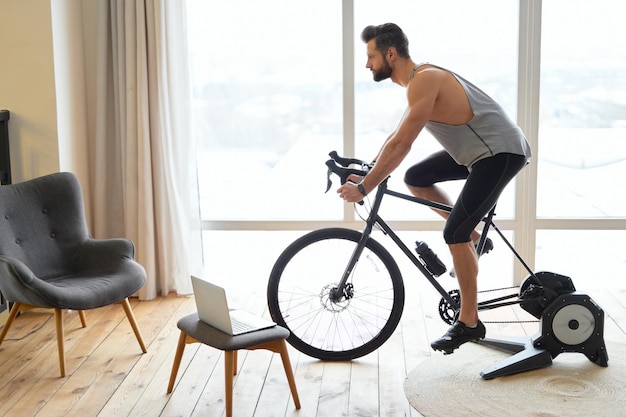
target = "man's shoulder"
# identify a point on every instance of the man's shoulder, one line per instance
(430, 71)
(427, 79)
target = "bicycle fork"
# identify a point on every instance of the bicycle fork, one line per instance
(342, 290)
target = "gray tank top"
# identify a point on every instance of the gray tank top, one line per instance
(490, 131)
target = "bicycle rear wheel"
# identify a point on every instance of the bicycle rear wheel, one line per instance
(309, 270)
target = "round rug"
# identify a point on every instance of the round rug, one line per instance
(451, 385)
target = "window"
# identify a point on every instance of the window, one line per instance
(268, 100)
(582, 157)
(267, 106)
(591, 258)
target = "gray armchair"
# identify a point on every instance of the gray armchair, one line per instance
(48, 259)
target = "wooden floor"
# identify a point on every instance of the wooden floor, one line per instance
(108, 376)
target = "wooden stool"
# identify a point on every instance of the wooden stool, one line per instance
(192, 330)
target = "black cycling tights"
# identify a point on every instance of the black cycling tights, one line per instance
(485, 182)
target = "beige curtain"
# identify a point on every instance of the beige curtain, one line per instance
(143, 157)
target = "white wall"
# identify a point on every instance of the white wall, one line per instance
(27, 86)
(67, 35)
(47, 81)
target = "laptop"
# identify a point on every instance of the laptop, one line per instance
(213, 310)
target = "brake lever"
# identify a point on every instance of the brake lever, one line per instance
(346, 162)
(342, 173)
(334, 169)
(329, 182)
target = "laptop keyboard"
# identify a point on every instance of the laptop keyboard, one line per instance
(240, 326)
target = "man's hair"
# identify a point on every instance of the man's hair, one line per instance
(387, 35)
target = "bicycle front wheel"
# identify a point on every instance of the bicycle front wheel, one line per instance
(304, 279)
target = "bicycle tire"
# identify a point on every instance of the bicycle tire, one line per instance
(298, 295)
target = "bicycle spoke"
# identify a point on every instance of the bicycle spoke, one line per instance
(325, 320)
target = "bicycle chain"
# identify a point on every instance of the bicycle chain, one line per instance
(506, 321)
(510, 321)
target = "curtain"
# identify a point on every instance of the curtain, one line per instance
(143, 166)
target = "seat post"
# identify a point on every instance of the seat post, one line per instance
(488, 222)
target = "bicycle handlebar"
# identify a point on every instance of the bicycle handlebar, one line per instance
(345, 162)
(340, 166)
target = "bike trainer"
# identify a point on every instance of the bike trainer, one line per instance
(569, 321)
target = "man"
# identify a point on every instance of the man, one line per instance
(481, 144)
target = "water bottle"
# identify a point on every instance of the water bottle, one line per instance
(430, 259)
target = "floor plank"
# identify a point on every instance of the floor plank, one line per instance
(109, 376)
(335, 390)
(364, 382)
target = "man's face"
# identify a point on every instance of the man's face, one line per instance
(377, 62)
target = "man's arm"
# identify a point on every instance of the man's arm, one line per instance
(383, 147)
(422, 95)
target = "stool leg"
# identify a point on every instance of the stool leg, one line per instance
(284, 355)
(279, 346)
(229, 357)
(179, 356)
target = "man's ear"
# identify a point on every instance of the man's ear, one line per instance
(392, 53)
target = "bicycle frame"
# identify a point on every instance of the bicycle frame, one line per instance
(374, 219)
(345, 320)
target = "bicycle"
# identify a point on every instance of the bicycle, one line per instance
(343, 316)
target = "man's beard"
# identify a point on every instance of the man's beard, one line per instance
(384, 72)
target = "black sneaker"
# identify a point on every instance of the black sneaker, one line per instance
(458, 334)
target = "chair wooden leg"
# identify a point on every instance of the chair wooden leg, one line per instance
(284, 355)
(228, 375)
(12, 315)
(279, 346)
(131, 318)
(229, 362)
(58, 315)
(179, 356)
(83, 319)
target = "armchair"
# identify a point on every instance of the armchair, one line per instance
(48, 259)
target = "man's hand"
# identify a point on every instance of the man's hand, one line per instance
(350, 193)
(355, 178)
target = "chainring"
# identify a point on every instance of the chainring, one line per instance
(447, 313)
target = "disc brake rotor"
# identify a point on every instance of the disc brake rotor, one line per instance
(336, 304)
